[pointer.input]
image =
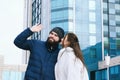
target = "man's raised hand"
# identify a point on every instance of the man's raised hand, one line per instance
(36, 28)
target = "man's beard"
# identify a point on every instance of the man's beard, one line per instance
(51, 44)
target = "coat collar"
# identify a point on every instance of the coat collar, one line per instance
(67, 49)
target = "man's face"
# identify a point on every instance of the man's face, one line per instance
(53, 37)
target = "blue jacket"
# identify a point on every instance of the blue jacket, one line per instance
(41, 61)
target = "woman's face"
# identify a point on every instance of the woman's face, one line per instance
(66, 43)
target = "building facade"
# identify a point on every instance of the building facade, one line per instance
(111, 38)
(95, 22)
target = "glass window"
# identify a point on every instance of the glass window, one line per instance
(105, 22)
(57, 15)
(114, 70)
(112, 17)
(117, 1)
(113, 1)
(117, 12)
(92, 16)
(118, 34)
(58, 3)
(112, 34)
(105, 16)
(92, 5)
(117, 23)
(112, 40)
(117, 6)
(112, 51)
(71, 3)
(92, 28)
(105, 11)
(103, 75)
(112, 29)
(12, 75)
(112, 22)
(112, 11)
(104, 0)
(105, 33)
(92, 40)
(118, 41)
(118, 45)
(106, 42)
(93, 53)
(112, 46)
(105, 51)
(105, 5)
(117, 29)
(105, 28)
(111, 6)
(117, 17)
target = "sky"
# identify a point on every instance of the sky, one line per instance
(11, 24)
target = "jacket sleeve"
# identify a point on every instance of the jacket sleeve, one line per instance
(21, 40)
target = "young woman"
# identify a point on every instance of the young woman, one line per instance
(70, 63)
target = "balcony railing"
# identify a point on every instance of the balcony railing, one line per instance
(113, 62)
(11, 72)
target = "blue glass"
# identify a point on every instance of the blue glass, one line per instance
(112, 52)
(112, 46)
(11, 75)
(56, 15)
(112, 34)
(101, 75)
(106, 52)
(59, 4)
(118, 52)
(114, 70)
(112, 40)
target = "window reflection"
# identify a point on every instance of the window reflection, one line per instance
(92, 16)
(92, 28)
(92, 5)
(92, 40)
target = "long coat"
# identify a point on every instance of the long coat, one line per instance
(69, 67)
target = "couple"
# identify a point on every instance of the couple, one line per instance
(47, 61)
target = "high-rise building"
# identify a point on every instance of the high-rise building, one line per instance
(111, 27)
(111, 39)
(95, 22)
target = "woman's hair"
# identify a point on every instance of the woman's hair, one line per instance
(74, 43)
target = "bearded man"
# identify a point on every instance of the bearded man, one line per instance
(43, 54)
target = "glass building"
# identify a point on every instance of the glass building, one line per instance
(95, 22)
(12, 75)
(111, 19)
(111, 32)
